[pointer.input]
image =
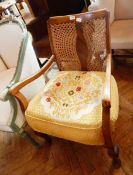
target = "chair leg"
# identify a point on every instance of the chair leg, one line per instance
(27, 137)
(113, 150)
(48, 139)
(114, 154)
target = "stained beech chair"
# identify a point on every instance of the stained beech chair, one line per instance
(17, 62)
(81, 102)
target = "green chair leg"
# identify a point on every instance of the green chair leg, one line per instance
(27, 137)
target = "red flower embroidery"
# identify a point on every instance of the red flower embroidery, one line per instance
(58, 84)
(48, 99)
(78, 89)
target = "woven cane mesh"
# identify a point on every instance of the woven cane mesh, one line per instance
(95, 34)
(63, 38)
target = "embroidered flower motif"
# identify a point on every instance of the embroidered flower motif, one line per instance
(77, 77)
(65, 104)
(78, 89)
(87, 82)
(71, 92)
(48, 99)
(47, 94)
(58, 84)
(85, 72)
(81, 97)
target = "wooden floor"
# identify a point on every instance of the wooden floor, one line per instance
(17, 157)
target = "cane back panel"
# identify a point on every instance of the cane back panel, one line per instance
(63, 35)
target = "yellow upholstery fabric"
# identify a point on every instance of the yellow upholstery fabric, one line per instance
(70, 107)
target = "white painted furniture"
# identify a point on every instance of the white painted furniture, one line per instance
(121, 19)
(17, 61)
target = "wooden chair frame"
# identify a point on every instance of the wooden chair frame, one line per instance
(113, 150)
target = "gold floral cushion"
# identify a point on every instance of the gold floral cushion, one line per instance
(70, 107)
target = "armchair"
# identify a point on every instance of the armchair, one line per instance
(81, 102)
(121, 21)
(17, 62)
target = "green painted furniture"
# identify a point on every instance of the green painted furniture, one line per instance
(17, 62)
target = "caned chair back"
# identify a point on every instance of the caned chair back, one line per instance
(65, 35)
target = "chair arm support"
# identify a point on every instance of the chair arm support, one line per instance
(15, 88)
(22, 101)
(106, 105)
(106, 101)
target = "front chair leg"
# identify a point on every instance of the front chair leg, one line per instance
(114, 154)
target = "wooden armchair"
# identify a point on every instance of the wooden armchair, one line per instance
(81, 102)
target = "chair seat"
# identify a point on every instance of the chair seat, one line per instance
(122, 34)
(70, 107)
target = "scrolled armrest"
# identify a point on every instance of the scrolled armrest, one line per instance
(3, 94)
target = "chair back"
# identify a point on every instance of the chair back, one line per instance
(90, 31)
(10, 35)
(63, 38)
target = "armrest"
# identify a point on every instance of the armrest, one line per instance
(106, 101)
(15, 88)
(3, 94)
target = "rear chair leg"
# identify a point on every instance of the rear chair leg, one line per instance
(45, 136)
(114, 154)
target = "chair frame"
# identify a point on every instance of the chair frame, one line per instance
(5, 95)
(113, 150)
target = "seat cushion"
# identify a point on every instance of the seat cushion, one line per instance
(122, 34)
(70, 107)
